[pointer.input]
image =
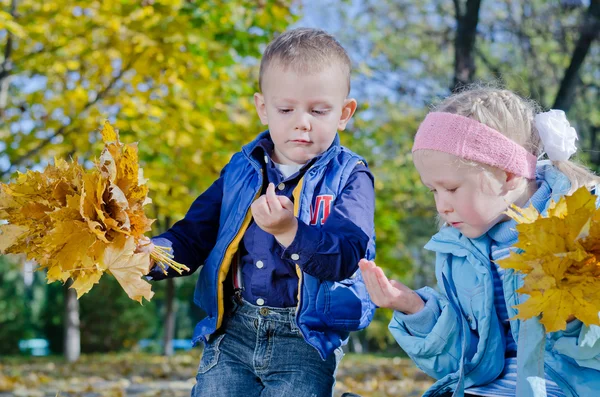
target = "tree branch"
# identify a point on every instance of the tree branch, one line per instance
(466, 32)
(7, 65)
(589, 32)
(63, 130)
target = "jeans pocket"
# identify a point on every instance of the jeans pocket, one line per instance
(210, 355)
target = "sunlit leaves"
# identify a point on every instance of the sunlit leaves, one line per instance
(80, 224)
(560, 255)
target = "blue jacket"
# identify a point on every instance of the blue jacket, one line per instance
(209, 238)
(466, 345)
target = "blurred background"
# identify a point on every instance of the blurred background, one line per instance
(178, 76)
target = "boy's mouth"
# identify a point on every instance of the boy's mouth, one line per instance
(455, 224)
(301, 141)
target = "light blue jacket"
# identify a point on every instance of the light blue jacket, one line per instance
(457, 338)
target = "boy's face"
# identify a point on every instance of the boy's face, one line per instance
(303, 111)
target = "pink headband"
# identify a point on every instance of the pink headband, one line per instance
(471, 140)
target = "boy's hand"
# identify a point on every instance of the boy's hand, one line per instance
(275, 215)
(389, 293)
(145, 246)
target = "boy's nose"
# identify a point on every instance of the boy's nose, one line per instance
(303, 123)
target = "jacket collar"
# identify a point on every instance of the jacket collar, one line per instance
(552, 185)
(322, 159)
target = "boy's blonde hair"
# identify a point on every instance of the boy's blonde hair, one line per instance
(305, 50)
(512, 116)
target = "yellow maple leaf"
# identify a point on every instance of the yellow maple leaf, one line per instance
(109, 134)
(128, 268)
(80, 223)
(9, 234)
(559, 254)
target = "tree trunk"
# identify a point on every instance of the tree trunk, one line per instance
(595, 154)
(170, 304)
(464, 43)
(357, 344)
(6, 66)
(72, 345)
(169, 318)
(590, 30)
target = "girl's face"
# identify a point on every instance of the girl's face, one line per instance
(468, 197)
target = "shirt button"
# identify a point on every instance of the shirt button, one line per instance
(260, 301)
(260, 264)
(295, 257)
(281, 186)
(266, 159)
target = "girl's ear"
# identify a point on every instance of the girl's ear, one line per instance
(512, 181)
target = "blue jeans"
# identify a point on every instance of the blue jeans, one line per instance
(259, 351)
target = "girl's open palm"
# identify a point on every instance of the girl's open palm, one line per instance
(389, 293)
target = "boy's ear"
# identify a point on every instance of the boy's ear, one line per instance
(347, 111)
(261, 109)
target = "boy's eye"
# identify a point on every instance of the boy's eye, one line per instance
(320, 112)
(451, 190)
(284, 110)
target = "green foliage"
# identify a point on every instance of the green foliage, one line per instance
(14, 308)
(111, 321)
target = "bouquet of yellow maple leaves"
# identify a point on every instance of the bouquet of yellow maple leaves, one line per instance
(80, 223)
(560, 257)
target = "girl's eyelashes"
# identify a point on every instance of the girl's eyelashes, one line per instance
(448, 190)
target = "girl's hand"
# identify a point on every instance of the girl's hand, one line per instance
(145, 246)
(389, 293)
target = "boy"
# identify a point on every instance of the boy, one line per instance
(279, 235)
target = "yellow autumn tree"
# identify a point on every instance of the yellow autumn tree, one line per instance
(176, 75)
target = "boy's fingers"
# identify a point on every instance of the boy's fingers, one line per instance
(272, 200)
(286, 203)
(260, 207)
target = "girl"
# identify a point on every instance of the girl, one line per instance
(478, 153)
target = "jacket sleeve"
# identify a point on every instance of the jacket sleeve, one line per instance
(333, 251)
(579, 342)
(192, 238)
(431, 336)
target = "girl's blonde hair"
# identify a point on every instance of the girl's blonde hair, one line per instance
(512, 116)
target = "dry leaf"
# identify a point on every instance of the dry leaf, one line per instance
(79, 224)
(560, 257)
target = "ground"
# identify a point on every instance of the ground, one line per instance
(144, 375)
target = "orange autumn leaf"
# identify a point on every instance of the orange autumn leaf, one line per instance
(126, 266)
(80, 223)
(559, 254)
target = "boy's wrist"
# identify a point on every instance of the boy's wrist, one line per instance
(287, 237)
